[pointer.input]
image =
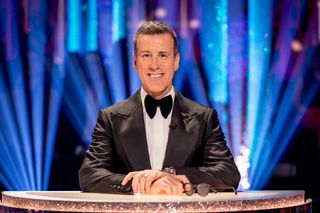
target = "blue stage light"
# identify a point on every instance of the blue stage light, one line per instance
(56, 92)
(259, 20)
(105, 31)
(92, 26)
(237, 51)
(118, 20)
(117, 67)
(36, 45)
(214, 40)
(74, 14)
(259, 55)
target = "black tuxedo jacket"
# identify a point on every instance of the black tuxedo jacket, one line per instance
(196, 146)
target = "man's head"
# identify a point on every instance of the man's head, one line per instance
(156, 57)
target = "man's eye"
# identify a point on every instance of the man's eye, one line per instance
(163, 55)
(146, 55)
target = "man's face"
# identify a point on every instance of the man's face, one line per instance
(156, 63)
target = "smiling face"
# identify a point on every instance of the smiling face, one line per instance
(156, 63)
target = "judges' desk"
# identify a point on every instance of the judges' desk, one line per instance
(265, 201)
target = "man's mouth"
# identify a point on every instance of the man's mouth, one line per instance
(155, 75)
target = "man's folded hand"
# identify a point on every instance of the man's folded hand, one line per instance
(156, 182)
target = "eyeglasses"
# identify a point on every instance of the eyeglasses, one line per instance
(203, 189)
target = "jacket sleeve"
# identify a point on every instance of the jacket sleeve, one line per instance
(95, 174)
(218, 167)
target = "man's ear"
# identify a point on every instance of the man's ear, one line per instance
(134, 61)
(176, 61)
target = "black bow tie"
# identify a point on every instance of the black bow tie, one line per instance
(164, 103)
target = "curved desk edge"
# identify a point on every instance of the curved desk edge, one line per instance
(223, 202)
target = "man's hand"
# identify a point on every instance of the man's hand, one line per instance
(143, 179)
(171, 185)
(164, 182)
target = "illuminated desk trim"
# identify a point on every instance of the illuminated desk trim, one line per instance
(76, 201)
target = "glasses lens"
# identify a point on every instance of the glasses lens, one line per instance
(203, 189)
(189, 193)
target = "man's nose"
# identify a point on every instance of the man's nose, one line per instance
(154, 63)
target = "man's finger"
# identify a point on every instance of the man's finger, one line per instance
(185, 181)
(182, 178)
(128, 177)
(142, 183)
(135, 184)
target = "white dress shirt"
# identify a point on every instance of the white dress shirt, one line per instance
(157, 133)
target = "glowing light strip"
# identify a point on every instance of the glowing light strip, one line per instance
(105, 31)
(56, 91)
(215, 39)
(36, 44)
(260, 14)
(74, 26)
(53, 116)
(105, 19)
(116, 72)
(118, 20)
(236, 72)
(214, 43)
(17, 86)
(92, 26)
(237, 51)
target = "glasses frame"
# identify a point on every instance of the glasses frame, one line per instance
(203, 189)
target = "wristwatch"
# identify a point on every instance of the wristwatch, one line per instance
(170, 170)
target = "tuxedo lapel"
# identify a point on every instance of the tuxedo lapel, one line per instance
(130, 128)
(182, 139)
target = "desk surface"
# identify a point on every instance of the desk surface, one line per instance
(95, 202)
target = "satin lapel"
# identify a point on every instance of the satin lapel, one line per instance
(182, 138)
(131, 134)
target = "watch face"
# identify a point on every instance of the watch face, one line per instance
(170, 170)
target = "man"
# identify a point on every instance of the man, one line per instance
(141, 147)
